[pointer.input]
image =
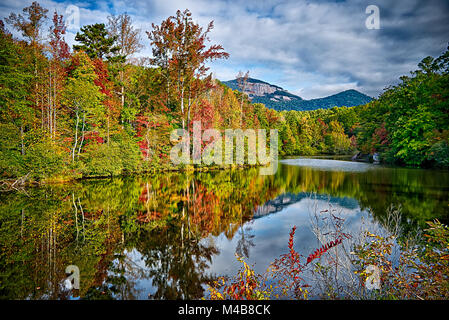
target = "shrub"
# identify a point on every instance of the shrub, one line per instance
(101, 160)
(439, 153)
(246, 285)
(120, 155)
(44, 159)
(129, 152)
(422, 271)
(10, 156)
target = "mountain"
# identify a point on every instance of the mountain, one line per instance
(275, 97)
(348, 98)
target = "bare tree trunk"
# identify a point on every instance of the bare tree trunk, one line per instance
(54, 123)
(55, 104)
(122, 89)
(82, 214)
(76, 216)
(42, 106)
(188, 111)
(82, 134)
(50, 110)
(182, 104)
(36, 85)
(76, 136)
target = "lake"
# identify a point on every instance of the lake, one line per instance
(166, 236)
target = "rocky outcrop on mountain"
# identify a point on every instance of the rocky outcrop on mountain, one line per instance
(260, 89)
(277, 98)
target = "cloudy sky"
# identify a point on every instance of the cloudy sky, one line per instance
(311, 48)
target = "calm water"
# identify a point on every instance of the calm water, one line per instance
(166, 236)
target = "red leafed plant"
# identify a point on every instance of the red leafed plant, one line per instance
(322, 250)
(286, 272)
(288, 269)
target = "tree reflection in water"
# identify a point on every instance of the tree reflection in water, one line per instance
(153, 237)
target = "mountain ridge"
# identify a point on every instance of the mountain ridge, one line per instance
(275, 97)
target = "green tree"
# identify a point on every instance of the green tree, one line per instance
(31, 27)
(82, 97)
(337, 141)
(15, 96)
(96, 41)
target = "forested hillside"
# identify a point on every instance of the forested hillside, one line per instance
(277, 98)
(97, 110)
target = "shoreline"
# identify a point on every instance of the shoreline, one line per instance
(14, 184)
(11, 184)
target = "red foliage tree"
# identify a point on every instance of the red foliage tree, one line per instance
(179, 49)
(59, 48)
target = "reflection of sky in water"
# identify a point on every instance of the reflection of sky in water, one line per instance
(286, 199)
(270, 238)
(144, 286)
(330, 165)
(271, 235)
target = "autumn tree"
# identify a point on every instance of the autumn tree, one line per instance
(336, 140)
(31, 26)
(179, 49)
(103, 81)
(82, 97)
(60, 52)
(59, 48)
(128, 40)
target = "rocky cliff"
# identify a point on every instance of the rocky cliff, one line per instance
(277, 98)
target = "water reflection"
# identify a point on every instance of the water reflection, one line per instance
(166, 236)
(330, 164)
